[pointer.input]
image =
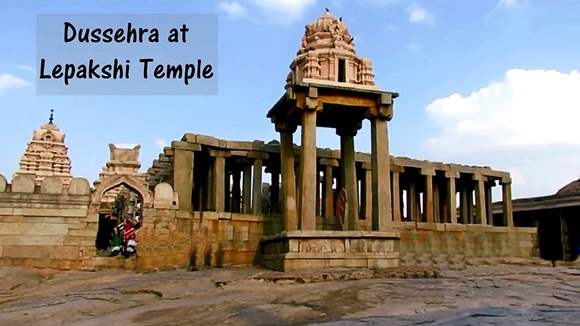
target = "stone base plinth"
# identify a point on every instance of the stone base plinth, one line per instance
(309, 250)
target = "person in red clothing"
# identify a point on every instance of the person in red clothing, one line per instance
(129, 235)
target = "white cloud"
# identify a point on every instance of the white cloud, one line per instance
(527, 123)
(160, 143)
(284, 10)
(418, 14)
(10, 82)
(25, 67)
(233, 8)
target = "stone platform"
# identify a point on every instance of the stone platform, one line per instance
(310, 250)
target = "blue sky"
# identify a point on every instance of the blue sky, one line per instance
(483, 82)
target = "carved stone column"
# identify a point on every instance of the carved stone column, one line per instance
(381, 164)
(412, 199)
(257, 192)
(367, 195)
(480, 199)
(428, 195)
(289, 209)
(219, 179)
(236, 191)
(506, 185)
(488, 201)
(308, 171)
(396, 192)
(247, 189)
(327, 191)
(451, 193)
(348, 175)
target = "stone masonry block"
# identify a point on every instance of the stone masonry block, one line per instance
(3, 183)
(23, 184)
(52, 185)
(79, 186)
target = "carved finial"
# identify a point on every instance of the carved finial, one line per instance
(326, 10)
(51, 118)
(340, 18)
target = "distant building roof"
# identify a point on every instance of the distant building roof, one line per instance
(571, 188)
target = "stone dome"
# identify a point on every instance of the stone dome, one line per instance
(327, 32)
(571, 188)
(327, 56)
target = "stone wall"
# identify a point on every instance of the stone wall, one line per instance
(447, 245)
(46, 225)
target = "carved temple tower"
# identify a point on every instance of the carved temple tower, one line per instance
(46, 154)
(330, 86)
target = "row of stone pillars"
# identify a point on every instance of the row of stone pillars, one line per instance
(439, 197)
(301, 204)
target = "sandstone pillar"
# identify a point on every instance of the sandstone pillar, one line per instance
(236, 193)
(436, 201)
(396, 193)
(257, 192)
(308, 171)
(348, 176)
(367, 195)
(428, 195)
(506, 185)
(210, 187)
(219, 179)
(275, 192)
(327, 191)
(464, 203)
(247, 189)
(183, 158)
(411, 200)
(451, 193)
(480, 199)
(380, 160)
(289, 209)
(488, 201)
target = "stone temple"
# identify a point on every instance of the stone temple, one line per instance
(214, 202)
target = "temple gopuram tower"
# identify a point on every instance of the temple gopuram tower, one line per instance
(46, 154)
(330, 86)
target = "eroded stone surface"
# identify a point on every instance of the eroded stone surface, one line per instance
(485, 294)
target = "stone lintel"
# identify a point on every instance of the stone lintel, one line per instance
(238, 153)
(428, 171)
(397, 168)
(258, 155)
(185, 146)
(328, 161)
(367, 166)
(478, 177)
(219, 153)
(506, 180)
(452, 174)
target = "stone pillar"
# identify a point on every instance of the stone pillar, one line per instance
(367, 195)
(327, 191)
(247, 189)
(219, 170)
(257, 192)
(464, 203)
(488, 201)
(380, 161)
(411, 200)
(275, 192)
(308, 171)
(183, 158)
(506, 186)
(236, 193)
(289, 209)
(428, 195)
(436, 201)
(480, 199)
(396, 192)
(451, 193)
(470, 215)
(210, 187)
(348, 176)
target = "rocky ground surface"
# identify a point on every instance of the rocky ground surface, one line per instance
(502, 294)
